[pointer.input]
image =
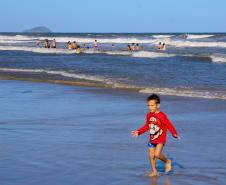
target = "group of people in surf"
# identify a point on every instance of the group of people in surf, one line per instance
(74, 45)
(161, 46)
(134, 47)
(47, 43)
(137, 47)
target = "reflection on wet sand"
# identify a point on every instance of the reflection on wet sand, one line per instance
(154, 180)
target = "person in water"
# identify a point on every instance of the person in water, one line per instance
(47, 43)
(129, 48)
(162, 46)
(78, 50)
(85, 46)
(157, 124)
(95, 44)
(74, 45)
(69, 45)
(53, 43)
(137, 47)
(112, 46)
(132, 46)
(159, 45)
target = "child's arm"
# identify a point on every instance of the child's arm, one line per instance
(141, 130)
(170, 127)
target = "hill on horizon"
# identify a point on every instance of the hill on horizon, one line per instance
(38, 29)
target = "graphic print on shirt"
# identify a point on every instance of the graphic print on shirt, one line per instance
(155, 128)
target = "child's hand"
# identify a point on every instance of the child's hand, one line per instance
(135, 133)
(176, 136)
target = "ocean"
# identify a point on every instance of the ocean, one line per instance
(67, 118)
(194, 65)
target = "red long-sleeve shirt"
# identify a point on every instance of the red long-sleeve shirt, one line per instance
(157, 124)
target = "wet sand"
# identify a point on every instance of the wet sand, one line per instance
(57, 134)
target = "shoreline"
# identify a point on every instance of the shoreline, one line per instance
(120, 87)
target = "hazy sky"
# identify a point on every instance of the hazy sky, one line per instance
(114, 15)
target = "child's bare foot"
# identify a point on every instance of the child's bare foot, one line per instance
(152, 174)
(168, 166)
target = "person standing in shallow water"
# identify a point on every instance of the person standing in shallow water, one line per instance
(47, 43)
(157, 123)
(129, 48)
(53, 43)
(95, 44)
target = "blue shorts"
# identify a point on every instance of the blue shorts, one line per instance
(153, 145)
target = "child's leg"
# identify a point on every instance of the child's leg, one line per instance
(152, 161)
(158, 154)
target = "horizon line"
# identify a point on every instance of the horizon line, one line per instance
(109, 32)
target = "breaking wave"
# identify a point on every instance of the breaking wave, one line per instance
(191, 36)
(113, 83)
(218, 58)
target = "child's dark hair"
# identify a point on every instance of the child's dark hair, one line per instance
(154, 97)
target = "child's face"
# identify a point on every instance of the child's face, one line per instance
(153, 106)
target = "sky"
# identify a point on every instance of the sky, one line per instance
(128, 16)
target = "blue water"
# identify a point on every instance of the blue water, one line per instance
(56, 134)
(194, 67)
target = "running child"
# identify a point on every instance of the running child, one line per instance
(157, 123)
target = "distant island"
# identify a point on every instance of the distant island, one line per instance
(38, 29)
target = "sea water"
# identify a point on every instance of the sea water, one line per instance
(193, 65)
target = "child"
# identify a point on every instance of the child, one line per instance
(157, 123)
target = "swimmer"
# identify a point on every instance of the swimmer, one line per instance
(129, 48)
(69, 46)
(78, 50)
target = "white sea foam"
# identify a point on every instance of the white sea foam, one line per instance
(94, 78)
(37, 50)
(118, 40)
(161, 36)
(218, 58)
(186, 92)
(149, 54)
(196, 44)
(137, 54)
(191, 36)
(62, 51)
(144, 54)
(22, 38)
(109, 52)
(61, 73)
(16, 39)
